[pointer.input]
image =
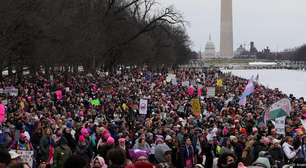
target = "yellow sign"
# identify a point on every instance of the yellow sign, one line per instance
(196, 107)
(219, 83)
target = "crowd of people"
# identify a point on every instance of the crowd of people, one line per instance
(92, 120)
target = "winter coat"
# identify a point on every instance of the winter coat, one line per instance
(276, 154)
(61, 154)
(247, 155)
(44, 145)
(84, 151)
(70, 140)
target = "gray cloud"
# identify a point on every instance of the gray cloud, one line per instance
(279, 24)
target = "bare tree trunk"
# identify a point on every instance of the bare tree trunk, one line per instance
(10, 68)
(19, 72)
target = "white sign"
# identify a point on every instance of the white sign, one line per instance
(26, 156)
(280, 125)
(143, 106)
(12, 91)
(5, 102)
(304, 123)
(1, 91)
(211, 92)
(185, 83)
(174, 82)
(170, 77)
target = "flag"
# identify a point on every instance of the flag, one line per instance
(278, 109)
(249, 89)
(242, 101)
(257, 77)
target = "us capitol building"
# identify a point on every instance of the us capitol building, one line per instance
(210, 49)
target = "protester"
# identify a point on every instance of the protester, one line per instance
(5, 158)
(82, 119)
(15, 157)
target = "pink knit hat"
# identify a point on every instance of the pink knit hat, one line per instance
(110, 140)
(122, 140)
(105, 134)
(241, 165)
(84, 132)
(225, 131)
(82, 138)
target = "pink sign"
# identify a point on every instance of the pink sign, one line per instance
(2, 113)
(200, 91)
(59, 94)
(190, 91)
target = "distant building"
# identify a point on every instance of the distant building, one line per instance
(241, 52)
(253, 50)
(210, 49)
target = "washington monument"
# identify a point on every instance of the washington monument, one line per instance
(226, 31)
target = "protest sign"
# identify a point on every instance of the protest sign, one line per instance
(278, 109)
(211, 91)
(143, 106)
(2, 113)
(95, 102)
(280, 125)
(185, 83)
(59, 94)
(196, 107)
(26, 156)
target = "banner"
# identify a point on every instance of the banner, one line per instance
(278, 109)
(26, 156)
(211, 92)
(12, 91)
(196, 107)
(143, 106)
(280, 125)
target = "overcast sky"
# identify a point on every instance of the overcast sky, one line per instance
(279, 24)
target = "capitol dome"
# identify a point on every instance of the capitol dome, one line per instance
(210, 50)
